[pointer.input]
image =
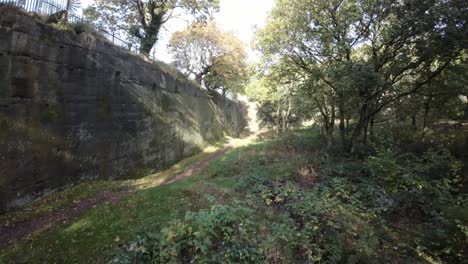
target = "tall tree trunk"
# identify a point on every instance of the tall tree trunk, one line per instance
(465, 121)
(146, 44)
(328, 136)
(364, 135)
(225, 109)
(283, 119)
(355, 135)
(426, 113)
(466, 109)
(199, 78)
(331, 125)
(67, 9)
(278, 112)
(286, 115)
(151, 32)
(360, 127)
(341, 113)
(328, 126)
(347, 125)
(371, 129)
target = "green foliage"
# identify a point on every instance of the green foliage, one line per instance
(222, 234)
(274, 223)
(141, 21)
(390, 207)
(251, 206)
(211, 56)
(357, 62)
(92, 237)
(63, 26)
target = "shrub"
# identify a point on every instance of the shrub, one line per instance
(222, 234)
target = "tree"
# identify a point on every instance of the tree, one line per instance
(71, 7)
(144, 18)
(369, 54)
(279, 92)
(212, 57)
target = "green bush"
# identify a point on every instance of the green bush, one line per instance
(222, 234)
(275, 223)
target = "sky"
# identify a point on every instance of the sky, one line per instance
(238, 16)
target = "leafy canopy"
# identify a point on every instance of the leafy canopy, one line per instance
(214, 57)
(143, 19)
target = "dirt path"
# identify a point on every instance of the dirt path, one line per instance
(23, 229)
(197, 167)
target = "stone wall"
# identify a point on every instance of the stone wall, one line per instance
(75, 107)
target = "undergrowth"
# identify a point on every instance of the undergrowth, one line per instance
(280, 200)
(295, 202)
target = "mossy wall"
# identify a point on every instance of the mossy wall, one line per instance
(74, 107)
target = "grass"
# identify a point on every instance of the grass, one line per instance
(94, 236)
(98, 233)
(64, 198)
(349, 211)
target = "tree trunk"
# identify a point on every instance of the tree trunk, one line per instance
(328, 136)
(364, 135)
(360, 127)
(466, 109)
(347, 124)
(341, 113)
(150, 36)
(426, 113)
(286, 116)
(67, 10)
(371, 129)
(225, 109)
(465, 121)
(283, 119)
(355, 135)
(146, 44)
(331, 125)
(278, 111)
(199, 78)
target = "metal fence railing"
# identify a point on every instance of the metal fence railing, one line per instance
(37, 6)
(49, 7)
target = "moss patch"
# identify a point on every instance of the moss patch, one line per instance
(165, 102)
(104, 111)
(49, 113)
(4, 128)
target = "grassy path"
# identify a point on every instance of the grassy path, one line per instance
(22, 229)
(102, 214)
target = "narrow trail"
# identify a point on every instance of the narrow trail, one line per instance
(21, 230)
